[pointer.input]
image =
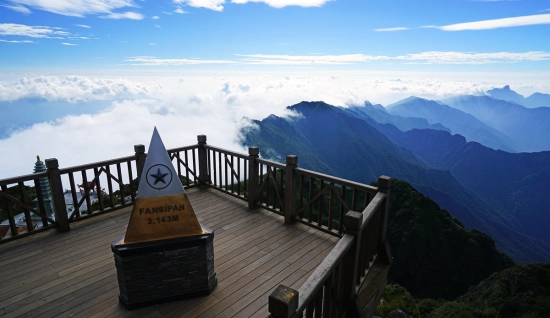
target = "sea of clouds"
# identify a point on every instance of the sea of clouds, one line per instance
(182, 107)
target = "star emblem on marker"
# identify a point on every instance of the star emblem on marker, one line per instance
(159, 177)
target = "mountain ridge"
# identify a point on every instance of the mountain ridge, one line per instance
(325, 136)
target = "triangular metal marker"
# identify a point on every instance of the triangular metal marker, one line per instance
(162, 210)
(159, 176)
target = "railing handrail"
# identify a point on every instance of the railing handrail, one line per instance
(317, 279)
(24, 178)
(184, 148)
(271, 163)
(226, 151)
(373, 206)
(348, 183)
(96, 164)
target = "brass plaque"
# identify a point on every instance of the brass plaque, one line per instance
(161, 218)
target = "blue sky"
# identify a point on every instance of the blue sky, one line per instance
(96, 76)
(427, 35)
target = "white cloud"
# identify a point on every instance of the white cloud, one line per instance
(76, 8)
(178, 10)
(498, 23)
(474, 58)
(17, 8)
(215, 5)
(153, 61)
(194, 105)
(158, 26)
(391, 29)
(74, 89)
(308, 59)
(30, 31)
(83, 26)
(125, 15)
(69, 44)
(433, 57)
(16, 41)
(286, 3)
(156, 17)
(152, 44)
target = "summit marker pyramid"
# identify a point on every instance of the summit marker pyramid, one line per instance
(162, 210)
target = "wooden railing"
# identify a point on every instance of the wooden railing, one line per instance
(350, 279)
(104, 186)
(16, 200)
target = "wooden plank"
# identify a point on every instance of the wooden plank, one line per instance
(52, 298)
(259, 292)
(73, 274)
(255, 273)
(20, 293)
(75, 302)
(38, 278)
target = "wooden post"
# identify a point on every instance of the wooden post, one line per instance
(253, 154)
(57, 195)
(384, 185)
(140, 159)
(203, 164)
(290, 188)
(283, 302)
(352, 226)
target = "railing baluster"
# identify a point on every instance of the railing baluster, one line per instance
(261, 174)
(354, 200)
(98, 190)
(194, 165)
(132, 193)
(220, 168)
(225, 163)
(238, 176)
(120, 184)
(330, 207)
(110, 186)
(268, 186)
(208, 156)
(187, 170)
(73, 195)
(11, 216)
(342, 212)
(310, 309)
(320, 215)
(327, 301)
(335, 287)
(178, 163)
(319, 303)
(301, 192)
(215, 171)
(86, 192)
(41, 205)
(28, 219)
(310, 214)
(230, 173)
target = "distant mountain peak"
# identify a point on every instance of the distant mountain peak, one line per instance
(306, 107)
(506, 94)
(406, 100)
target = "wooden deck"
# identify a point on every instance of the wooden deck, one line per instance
(73, 274)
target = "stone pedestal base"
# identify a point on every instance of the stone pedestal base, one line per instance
(163, 271)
